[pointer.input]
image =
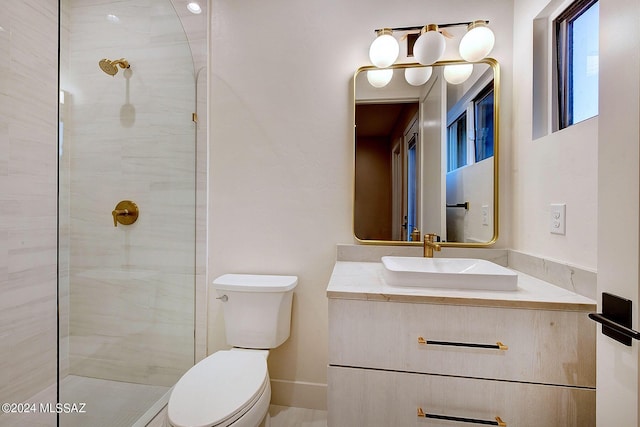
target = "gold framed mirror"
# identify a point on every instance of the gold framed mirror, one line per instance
(426, 154)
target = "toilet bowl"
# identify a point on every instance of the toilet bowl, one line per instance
(228, 388)
(231, 388)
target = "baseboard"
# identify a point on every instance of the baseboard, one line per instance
(299, 394)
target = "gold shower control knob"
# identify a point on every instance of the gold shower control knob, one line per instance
(125, 213)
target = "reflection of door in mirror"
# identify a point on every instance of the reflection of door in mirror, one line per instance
(433, 107)
(380, 169)
(398, 218)
(412, 147)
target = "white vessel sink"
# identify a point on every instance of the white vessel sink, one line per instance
(453, 273)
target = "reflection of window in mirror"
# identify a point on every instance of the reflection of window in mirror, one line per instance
(457, 143)
(577, 57)
(483, 125)
(470, 129)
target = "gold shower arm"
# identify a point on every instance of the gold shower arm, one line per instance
(123, 63)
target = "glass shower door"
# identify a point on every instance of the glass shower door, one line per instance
(126, 288)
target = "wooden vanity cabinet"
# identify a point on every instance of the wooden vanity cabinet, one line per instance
(524, 367)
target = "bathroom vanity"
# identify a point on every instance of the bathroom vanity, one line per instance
(401, 356)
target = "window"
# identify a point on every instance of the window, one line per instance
(577, 55)
(457, 143)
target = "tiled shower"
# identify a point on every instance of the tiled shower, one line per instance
(123, 304)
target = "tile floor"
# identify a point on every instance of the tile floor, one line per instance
(285, 416)
(108, 404)
(281, 416)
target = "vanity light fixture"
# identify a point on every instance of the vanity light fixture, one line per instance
(379, 78)
(457, 73)
(430, 45)
(475, 45)
(385, 49)
(417, 76)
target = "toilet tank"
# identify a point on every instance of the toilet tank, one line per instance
(257, 308)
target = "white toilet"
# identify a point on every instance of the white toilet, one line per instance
(231, 387)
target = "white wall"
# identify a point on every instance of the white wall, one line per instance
(558, 168)
(281, 150)
(470, 184)
(28, 168)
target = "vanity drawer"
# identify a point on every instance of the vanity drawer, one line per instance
(364, 397)
(544, 346)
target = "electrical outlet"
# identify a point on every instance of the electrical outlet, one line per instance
(485, 214)
(558, 219)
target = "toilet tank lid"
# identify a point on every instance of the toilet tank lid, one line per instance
(255, 283)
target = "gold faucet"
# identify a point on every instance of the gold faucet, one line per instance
(430, 245)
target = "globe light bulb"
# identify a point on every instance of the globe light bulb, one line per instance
(457, 73)
(430, 45)
(384, 49)
(417, 76)
(379, 78)
(477, 43)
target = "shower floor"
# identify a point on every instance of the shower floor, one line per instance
(108, 403)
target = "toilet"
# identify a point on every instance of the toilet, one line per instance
(232, 387)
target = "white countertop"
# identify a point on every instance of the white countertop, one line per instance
(363, 280)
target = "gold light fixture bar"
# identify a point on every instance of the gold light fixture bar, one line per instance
(418, 28)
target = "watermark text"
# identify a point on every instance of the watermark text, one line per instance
(49, 408)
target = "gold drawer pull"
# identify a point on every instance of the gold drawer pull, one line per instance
(498, 421)
(496, 346)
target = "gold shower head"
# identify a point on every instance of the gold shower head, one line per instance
(111, 67)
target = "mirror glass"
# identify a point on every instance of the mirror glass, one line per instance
(425, 155)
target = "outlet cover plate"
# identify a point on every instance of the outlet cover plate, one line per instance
(558, 223)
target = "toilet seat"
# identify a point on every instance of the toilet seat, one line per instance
(218, 390)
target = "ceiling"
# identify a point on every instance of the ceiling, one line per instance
(378, 120)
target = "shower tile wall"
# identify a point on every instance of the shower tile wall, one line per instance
(28, 126)
(131, 287)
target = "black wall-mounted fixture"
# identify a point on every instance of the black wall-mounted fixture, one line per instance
(616, 318)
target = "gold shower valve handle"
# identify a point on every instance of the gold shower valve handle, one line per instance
(125, 213)
(118, 212)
